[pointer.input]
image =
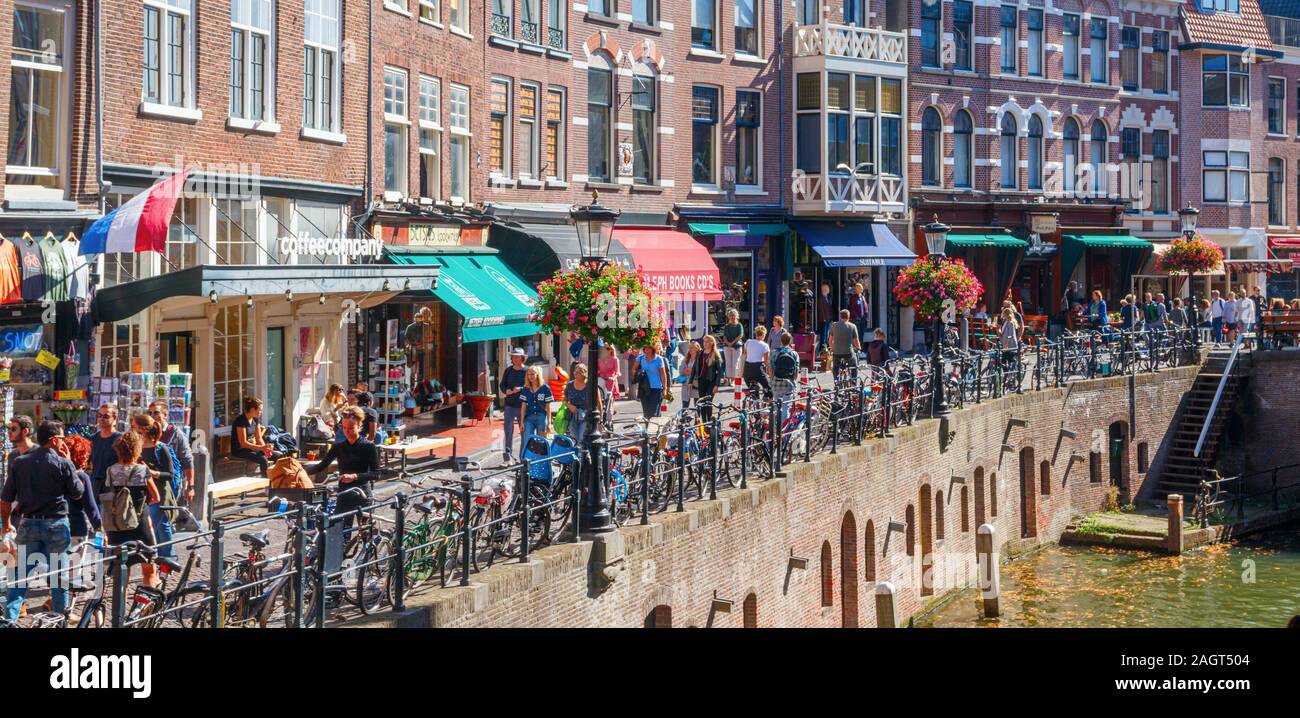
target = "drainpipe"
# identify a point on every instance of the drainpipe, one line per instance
(99, 109)
(370, 88)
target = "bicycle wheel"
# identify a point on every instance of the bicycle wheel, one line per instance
(539, 524)
(483, 534)
(731, 462)
(373, 565)
(663, 482)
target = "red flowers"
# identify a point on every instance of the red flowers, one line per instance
(925, 287)
(1187, 256)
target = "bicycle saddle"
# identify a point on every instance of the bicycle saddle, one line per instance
(167, 565)
(258, 540)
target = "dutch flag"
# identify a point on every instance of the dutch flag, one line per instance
(140, 225)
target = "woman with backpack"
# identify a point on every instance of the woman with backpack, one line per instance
(536, 398)
(785, 371)
(158, 458)
(129, 489)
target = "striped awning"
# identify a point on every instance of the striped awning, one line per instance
(1267, 266)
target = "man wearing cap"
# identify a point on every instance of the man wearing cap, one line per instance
(512, 380)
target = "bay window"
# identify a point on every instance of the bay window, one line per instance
(808, 103)
(865, 113)
(891, 123)
(838, 109)
(1225, 81)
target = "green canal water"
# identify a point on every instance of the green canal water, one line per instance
(1254, 582)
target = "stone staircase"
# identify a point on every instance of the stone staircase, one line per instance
(1182, 471)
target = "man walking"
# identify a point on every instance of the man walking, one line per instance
(845, 344)
(858, 309)
(512, 380)
(785, 370)
(42, 484)
(20, 435)
(1216, 317)
(102, 454)
(825, 313)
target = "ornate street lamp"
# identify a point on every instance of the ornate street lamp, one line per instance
(595, 226)
(1187, 217)
(936, 241)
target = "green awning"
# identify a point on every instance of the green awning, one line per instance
(986, 240)
(1109, 241)
(493, 300)
(753, 229)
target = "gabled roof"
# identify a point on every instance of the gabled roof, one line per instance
(1240, 29)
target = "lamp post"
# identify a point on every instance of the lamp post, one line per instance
(1187, 217)
(936, 240)
(595, 226)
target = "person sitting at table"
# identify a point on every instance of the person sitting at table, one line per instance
(981, 311)
(249, 436)
(331, 403)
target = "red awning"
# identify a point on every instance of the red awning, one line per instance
(675, 265)
(1285, 241)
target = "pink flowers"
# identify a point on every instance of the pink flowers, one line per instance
(1187, 256)
(925, 288)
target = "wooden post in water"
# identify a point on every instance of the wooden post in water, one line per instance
(989, 579)
(886, 617)
(1174, 541)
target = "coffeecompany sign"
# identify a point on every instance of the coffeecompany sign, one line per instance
(346, 247)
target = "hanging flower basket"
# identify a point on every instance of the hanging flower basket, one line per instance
(613, 304)
(925, 287)
(1196, 255)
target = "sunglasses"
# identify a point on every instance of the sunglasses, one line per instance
(13, 429)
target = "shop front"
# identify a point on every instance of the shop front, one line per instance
(748, 250)
(995, 259)
(1285, 285)
(276, 332)
(1102, 261)
(840, 254)
(681, 272)
(427, 353)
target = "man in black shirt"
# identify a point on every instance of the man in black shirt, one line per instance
(358, 460)
(20, 435)
(371, 424)
(42, 483)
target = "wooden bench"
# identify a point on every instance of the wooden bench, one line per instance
(981, 333)
(238, 487)
(417, 454)
(1035, 328)
(1282, 327)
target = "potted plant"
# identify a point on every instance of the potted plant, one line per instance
(479, 403)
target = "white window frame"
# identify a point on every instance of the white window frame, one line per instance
(325, 124)
(458, 17)
(267, 33)
(459, 132)
(712, 46)
(396, 108)
(434, 8)
(715, 139)
(166, 104)
(1221, 162)
(430, 121)
(63, 125)
(397, 6)
(758, 28)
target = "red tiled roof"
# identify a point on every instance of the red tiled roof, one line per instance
(1246, 28)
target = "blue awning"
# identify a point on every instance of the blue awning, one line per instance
(853, 243)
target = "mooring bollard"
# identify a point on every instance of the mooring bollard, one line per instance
(990, 583)
(886, 617)
(1175, 510)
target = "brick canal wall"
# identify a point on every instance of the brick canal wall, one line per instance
(1262, 433)
(836, 513)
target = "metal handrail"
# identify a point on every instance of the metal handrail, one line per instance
(1218, 394)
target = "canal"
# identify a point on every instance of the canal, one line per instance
(1254, 582)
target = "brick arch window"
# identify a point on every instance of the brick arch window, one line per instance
(828, 581)
(749, 611)
(965, 510)
(938, 516)
(849, 571)
(931, 147)
(979, 495)
(869, 552)
(660, 616)
(910, 534)
(1045, 478)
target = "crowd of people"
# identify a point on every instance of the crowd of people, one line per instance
(1220, 318)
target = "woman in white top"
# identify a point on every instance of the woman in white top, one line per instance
(1245, 313)
(334, 398)
(756, 354)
